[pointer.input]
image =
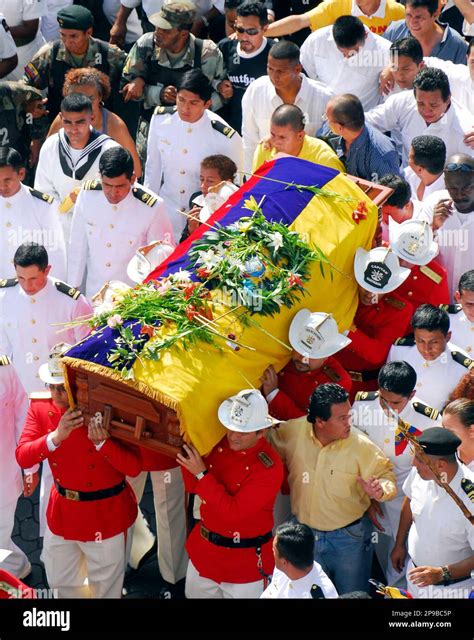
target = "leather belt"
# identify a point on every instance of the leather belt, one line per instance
(231, 543)
(85, 496)
(364, 376)
(445, 583)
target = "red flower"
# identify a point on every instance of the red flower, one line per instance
(147, 329)
(189, 290)
(191, 312)
(203, 273)
(294, 280)
(360, 212)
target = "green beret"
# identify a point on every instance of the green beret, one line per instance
(75, 17)
(437, 441)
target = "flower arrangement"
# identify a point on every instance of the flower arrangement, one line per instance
(253, 266)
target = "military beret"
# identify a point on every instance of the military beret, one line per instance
(75, 17)
(437, 441)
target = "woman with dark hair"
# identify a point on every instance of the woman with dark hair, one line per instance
(96, 86)
(458, 417)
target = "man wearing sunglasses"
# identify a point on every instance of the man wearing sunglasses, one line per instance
(452, 214)
(245, 58)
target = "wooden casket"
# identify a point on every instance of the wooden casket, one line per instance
(175, 398)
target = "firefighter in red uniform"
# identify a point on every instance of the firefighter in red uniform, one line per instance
(91, 506)
(379, 317)
(412, 241)
(230, 549)
(315, 339)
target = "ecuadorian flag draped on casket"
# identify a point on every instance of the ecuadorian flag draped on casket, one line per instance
(194, 380)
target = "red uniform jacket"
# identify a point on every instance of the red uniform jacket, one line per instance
(295, 388)
(237, 496)
(77, 465)
(428, 284)
(377, 327)
(154, 461)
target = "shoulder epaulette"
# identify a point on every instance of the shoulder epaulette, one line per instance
(366, 395)
(223, 128)
(4, 360)
(42, 196)
(468, 487)
(432, 275)
(159, 111)
(317, 593)
(425, 410)
(407, 341)
(8, 282)
(265, 459)
(147, 198)
(92, 185)
(451, 308)
(331, 374)
(395, 302)
(460, 358)
(72, 292)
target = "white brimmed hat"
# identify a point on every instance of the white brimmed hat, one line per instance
(379, 270)
(215, 198)
(315, 335)
(245, 412)
(147, 258)
(412, 240)
(52, 371)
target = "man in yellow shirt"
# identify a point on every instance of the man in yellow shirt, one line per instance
(287, 136)
(334, 473)
(375, 14)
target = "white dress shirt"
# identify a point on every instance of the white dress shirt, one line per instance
(28, 218)
(49, 22)
(260, 101)
(455, 239)
(50, 177)
(440, 534)
(13, 404)
(435, 378)
(359, 74)
(414, 182)
(105, 236)
(462, 331)
(28, 328)
(282, 586)
(174, 153)
(399, 112)
(369, 417)
(460, 81)
(16, 12)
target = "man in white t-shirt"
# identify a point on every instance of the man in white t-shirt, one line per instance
(23, 18)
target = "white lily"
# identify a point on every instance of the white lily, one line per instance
(276, 240)
(209, 259)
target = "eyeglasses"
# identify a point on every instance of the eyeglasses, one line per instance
(454, 166)
(60, 388)
(249, 32)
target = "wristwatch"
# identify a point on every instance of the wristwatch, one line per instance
(447, 577)
(201, 474)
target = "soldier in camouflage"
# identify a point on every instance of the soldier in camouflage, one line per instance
(20, 106)
(77, 48)
(158, 60)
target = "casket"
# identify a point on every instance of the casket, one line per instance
(175, 398)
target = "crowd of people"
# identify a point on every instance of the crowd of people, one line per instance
(124, 125)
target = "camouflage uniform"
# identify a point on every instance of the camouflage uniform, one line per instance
(151, 63)
(53, 61)
(16, 130)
